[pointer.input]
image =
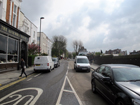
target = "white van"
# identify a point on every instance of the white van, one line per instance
(81, 63)
(44, 63)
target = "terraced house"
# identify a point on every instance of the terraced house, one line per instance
(13, 42)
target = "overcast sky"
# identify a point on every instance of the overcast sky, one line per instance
(99, 24)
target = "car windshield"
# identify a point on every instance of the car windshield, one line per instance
(53, 59)
(82, 60)
(127, 74)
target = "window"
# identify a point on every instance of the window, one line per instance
(3, 44)
(99, 70)
(12, 46)
(12, 50)
(82, 60)
(38, 38)
(107, 72)
(8, 49)
(14, 15)
(34, 34)
(2, 58)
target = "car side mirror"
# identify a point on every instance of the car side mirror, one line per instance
(106, 79)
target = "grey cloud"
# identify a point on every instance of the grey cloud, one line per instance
(68, 24)
(97, 18)
(33, 9)
(124, 28)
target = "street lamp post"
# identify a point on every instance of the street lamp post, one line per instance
(40, 34)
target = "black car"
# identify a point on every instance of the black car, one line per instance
(119, 83)
(56, 61)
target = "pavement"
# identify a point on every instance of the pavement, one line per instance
(94, 66)
(10, 76)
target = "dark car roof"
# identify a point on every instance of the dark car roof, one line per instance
(120, 65)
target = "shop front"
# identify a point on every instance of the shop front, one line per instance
(13, 47)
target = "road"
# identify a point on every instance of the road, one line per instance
(81, 82)
(61, 86)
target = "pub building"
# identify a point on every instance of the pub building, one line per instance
(13, 47)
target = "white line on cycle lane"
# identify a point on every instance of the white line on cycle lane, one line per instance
(62, 98)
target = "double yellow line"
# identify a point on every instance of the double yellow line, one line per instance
(10, 84)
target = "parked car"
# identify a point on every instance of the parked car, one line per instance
(81, 63)
(43, 63)
(118, 83)
(56, 61)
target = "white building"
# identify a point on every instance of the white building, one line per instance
(28, 27)
(9, 11)
(49, 47)
(45, 43)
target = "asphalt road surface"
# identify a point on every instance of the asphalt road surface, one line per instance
(81, 82)
(61, 86)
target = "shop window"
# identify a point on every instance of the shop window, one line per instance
(12, 58)
(12, 50)
(12, 46)
(8, 49)
(2, 58)
(3, 44)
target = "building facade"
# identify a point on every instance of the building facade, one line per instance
(45, 43)
(13, 47)
(116, 52)
(28, 27)
(9, 11)
(42, 42)
(134, 52)
(49, 47)
(13, 42)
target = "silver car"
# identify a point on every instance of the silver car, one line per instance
(81, 63)
(56, 61)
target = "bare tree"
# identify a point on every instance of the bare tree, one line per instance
(77, 45)
(80, 45)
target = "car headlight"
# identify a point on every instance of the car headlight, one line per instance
(136, 101)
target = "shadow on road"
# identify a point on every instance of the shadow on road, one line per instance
(94, 99)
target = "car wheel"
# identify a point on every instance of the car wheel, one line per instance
(76, 70)
(93, 86)
(88, 70)
(50, 69)
(120, 102)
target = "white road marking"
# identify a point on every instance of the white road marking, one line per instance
(67, 73)
(74, 91)
(62, 89)
(32, 99)
(29, 79)
(37, 75)
(68, 91)
(60, 94)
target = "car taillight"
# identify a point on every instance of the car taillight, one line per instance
(47, 64)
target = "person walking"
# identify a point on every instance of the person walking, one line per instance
(22, 67)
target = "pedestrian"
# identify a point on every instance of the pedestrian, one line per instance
(22, 67)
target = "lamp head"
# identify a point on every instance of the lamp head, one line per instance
(42, 18)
